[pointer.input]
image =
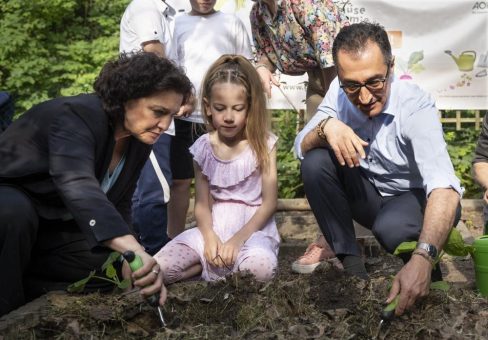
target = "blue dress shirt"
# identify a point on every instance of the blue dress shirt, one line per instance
(406, 144)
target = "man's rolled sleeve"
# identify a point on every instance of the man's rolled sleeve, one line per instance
(309, 127)
(328, 107)
(430, 150)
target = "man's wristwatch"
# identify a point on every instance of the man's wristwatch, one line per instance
(429, 248)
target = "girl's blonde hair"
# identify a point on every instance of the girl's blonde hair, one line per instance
(238, 70)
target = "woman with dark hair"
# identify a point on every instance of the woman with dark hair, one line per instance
(68, 171)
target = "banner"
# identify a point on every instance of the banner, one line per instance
(441, 45)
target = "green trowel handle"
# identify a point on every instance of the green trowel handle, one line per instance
(388, 313)
(135, 262)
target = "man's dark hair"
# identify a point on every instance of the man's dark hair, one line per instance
(138, 75)
(354, 38)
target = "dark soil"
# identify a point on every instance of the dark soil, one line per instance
(327, 304)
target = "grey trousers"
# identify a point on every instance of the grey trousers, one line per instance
(338, 194)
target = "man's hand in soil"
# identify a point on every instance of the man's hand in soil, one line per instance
(347, 146)
(411, 282)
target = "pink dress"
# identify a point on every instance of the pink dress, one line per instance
(235, 186)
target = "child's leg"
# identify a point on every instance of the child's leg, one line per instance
(259, 256)
(178, 262)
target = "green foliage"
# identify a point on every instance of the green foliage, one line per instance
(405, 247)
(455, 245)
(461, 145)
(289, 180)
(55, 47)
(110, 276)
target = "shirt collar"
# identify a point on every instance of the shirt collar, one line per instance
(391, 106)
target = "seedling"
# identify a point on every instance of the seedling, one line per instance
(454, 246)
(110, 276)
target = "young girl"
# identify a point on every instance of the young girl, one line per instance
(236, 183)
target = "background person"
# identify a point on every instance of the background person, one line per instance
(375, 153)
(148, 25)
(294, 37)
(200, 37)
(236, 183)
(69, 168)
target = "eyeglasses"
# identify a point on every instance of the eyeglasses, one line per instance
(373, 85)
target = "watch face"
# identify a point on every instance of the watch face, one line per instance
(429, 248)
(432, 251)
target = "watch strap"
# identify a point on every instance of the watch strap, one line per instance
(424, 255)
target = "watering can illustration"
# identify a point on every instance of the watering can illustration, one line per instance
(465, 61)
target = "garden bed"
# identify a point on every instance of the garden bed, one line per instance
(326, 304)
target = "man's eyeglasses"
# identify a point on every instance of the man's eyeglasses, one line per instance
(373, 85)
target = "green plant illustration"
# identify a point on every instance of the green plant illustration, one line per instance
(413, 66)
(110, 276)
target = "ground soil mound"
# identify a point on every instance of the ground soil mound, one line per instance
(327, 304)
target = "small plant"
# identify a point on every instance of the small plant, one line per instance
(454, 246)
(110, 276)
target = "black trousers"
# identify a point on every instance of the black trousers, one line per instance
(338, 194)
(38, 255)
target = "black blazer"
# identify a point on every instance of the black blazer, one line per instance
(58, 153)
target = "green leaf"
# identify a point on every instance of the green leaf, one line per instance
(124, 284)
(114, 256)
(405, 247)
(417, 68)
(440, 285)
(79, 286)
(415, 57)
(110, 271)
(455, 244)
